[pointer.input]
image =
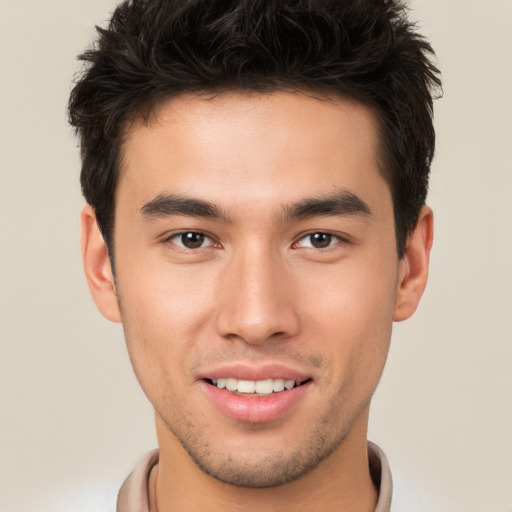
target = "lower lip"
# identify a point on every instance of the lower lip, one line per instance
(255, 409)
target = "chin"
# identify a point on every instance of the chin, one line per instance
(261, 467)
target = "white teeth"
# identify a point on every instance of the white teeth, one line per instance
(264, 386)
(246, 386)
(259, 387)
(231, 384)
(288, 384)
(278, 385)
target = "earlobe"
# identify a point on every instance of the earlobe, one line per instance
(97, 267)
(413, 268)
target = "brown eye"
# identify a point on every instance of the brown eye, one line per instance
(191, 240)
(318, 240)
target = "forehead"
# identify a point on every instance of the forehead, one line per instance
(251, 144)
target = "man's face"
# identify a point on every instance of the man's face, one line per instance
(255, 242)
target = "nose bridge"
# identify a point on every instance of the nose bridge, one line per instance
(255, 303)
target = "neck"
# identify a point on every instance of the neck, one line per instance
(340, 482)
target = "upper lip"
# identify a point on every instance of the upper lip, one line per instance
(243, 371)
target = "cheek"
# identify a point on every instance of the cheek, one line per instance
(163, 312)
(351, 297)
(351, 310)
(162, 296)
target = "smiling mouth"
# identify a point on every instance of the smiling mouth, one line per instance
(256, 387)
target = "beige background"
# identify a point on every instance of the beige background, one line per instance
(72, 416)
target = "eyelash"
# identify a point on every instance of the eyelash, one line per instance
(183, 247)
(331, 240)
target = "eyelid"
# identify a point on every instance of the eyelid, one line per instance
(169, 239)
(336, 239)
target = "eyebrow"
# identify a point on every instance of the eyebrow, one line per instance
(340, 203)
(171, 204)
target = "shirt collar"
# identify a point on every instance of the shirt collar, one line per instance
(133, 495)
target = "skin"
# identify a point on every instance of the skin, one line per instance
(257, 291)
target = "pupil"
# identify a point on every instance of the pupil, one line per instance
(192, 240)
(320, 240)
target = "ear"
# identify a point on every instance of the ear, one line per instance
(413, 267)
(98, 270)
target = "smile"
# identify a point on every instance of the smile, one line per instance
(256, 401)
(255, 387)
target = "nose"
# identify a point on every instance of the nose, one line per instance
(255, 299)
